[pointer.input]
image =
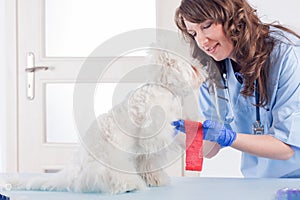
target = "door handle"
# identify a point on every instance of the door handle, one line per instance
(30, 71)
(33, 69)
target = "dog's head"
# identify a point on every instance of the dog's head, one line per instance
(178, 74)
(183, 76)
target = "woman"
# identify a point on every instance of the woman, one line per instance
(254, 75)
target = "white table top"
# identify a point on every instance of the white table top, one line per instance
(187, 188)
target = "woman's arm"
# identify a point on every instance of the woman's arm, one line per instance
(263, 146)
(210, 149)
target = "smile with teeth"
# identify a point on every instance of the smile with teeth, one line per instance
(211, 49)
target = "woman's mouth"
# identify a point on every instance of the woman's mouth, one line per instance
(212, 49)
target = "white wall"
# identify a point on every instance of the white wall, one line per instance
(8, 98)
(2, 84)
(286, 12)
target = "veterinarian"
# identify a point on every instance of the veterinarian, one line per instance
(251, 98)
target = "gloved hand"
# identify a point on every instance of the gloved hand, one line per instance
(179, 126)
(212, 131)
(217, 132)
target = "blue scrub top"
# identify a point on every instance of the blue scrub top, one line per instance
(281, 117)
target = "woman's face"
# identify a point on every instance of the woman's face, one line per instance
(210, 37)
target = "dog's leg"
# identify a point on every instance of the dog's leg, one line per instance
(114, 175)
(151, 172)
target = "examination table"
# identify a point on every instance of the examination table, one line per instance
(185, 188)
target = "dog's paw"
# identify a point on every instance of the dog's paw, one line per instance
(48, 187)
(156, 179)
(125, 185)
(128, 188)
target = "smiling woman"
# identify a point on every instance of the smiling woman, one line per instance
(266, 56)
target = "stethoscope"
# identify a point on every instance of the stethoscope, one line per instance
(257, 126)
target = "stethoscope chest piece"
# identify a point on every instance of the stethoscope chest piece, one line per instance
(257, 128)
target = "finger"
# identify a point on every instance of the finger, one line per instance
(207, 124)
(175, 123)
(175, 132)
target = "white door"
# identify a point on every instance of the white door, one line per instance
(54, 39)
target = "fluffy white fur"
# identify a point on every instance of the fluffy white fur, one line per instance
(127, 148)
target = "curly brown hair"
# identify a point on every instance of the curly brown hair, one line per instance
(250, 37)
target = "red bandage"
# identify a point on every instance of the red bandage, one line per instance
(194, 142)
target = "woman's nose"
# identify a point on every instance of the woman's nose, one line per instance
(201, 39)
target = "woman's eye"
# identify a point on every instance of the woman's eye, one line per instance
(206, 26)
(193, 34)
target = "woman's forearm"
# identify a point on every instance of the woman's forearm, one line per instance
(210, 149)
(263, 146)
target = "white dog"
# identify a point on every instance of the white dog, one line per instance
(127, 148)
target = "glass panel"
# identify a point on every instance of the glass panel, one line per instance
(74, 28)
(60, 125)
(59, 114)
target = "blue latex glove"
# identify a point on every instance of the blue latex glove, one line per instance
(217, 132)
(212, 131)
(179, 126)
